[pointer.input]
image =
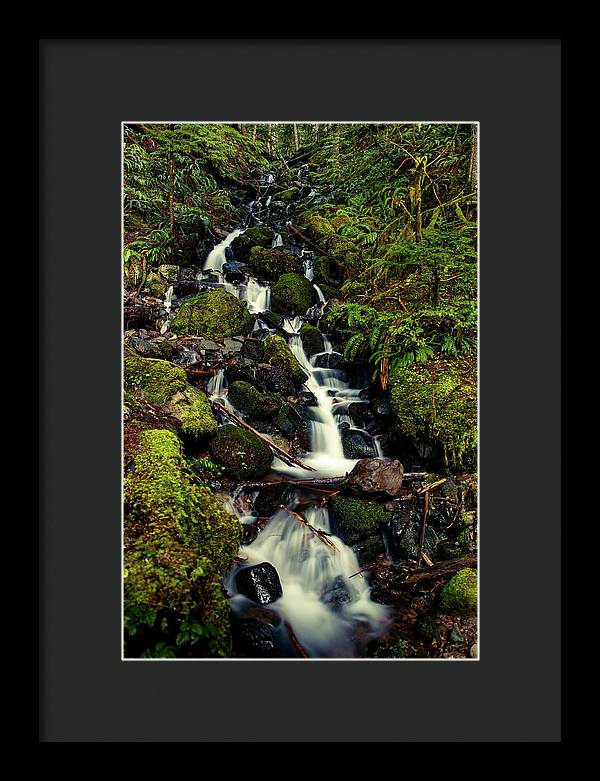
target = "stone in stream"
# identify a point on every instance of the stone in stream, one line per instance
(288, 421)
(292, 294)
(246, 398)
(168, 271)
(253, 237)
(214, 314)
(244, 455)
(308, 398)
(358, 523)
(312, 339)
(374, 478)
(330, 361)
(268, 263)
(252, 638)
(402, 531)
(241, 369)
(260, 583)
(358, 444)
(234, 271)
(145, 348)
(336, 594)
(186, 287)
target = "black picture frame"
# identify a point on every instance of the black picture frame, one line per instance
(87, 87)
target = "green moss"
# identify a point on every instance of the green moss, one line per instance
(157, 380)
(213, 314)
(292, 294)
(252, 237)
(312, 339)
(437, 404)
(271, 263)
(277, 353)
(287, 195)
(355, 519)
(328, 272)
(247, 398)
(243, 454)
(330, 293)
(427, 631)
(179, 541)
(323, 233)
(156, 286)
(400, 649)
(460, 593)
(198, 421)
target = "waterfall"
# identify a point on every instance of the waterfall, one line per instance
(216, 257)
(320, 600)
(277, 241)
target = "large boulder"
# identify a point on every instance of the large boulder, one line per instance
(293, 294)
(358, 523)
(460, 593)
(214, 314)
(246, 398)
(271, 263)
(278, 354)
(252, 237)
(243, 454)
(374, 478)
(312, 339)
(259, 583)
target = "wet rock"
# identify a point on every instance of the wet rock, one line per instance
(143, 347)
(278, 380)
(241, 369)
(253, 237)
(315, 313)
(252, 351)
(260, 583)
(369, 549)
(249, 533)
(336, 594)
(331, 360)
(402, 532)
(270, 498)
(235, 272)
(374, 477)
(358, 444)
(382, 407)
(188, 273)
(361, 414)
(357, 521)
(308, 398)
(272, 320)
(456, 636)
(246, 398)
(279, 355)
(252, 638)
(288, 421)
(312, 339)
(186, 287)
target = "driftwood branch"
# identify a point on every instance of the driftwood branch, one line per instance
(441, 570)
(318, 481)
(308, 241)
(317, 532)
(295, 641)
(290, 460)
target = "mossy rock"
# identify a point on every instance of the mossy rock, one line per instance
(328, 272)
(436, 404)
(330, 293)
(213, 314)
(242, 453)
(312, 339)
(323, 233)
(293, 294)
(253, 237)
(156, 286)
(157, 380)
(194, 411)
(271, 263)
(287, 195)
(246, 398)
(278, 354)
(356, 519)
(179, 541)
(460, 593)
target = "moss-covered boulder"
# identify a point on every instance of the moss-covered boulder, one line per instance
(157, 380)
(271, 263)
(318, 228)
(194, 411)
(287, 195)
(330, 293)
(312, 339)
(293, 294)
(155, 285)
(243, 454)
(328, 271)
(435, 408)
(213, 314)
(246, 398)
(460, 593)
(354, 519)
(253, 237)
(278, 354)
(179, 541)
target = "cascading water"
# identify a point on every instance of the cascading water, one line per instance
(329, 612)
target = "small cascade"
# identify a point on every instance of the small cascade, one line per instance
(216, 257)
(277, 241)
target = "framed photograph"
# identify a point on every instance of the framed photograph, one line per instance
(289, 368)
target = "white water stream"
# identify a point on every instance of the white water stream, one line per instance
(330, 613)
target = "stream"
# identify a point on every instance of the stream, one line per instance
(325, 609)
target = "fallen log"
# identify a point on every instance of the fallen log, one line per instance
(318, 481)
(317, 532)
(285, 457)
(307, 240)
(441, 570)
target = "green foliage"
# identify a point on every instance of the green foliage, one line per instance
(460, 593)
(427, 631)
(179, 540)
(400, 649)
(438, 404)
